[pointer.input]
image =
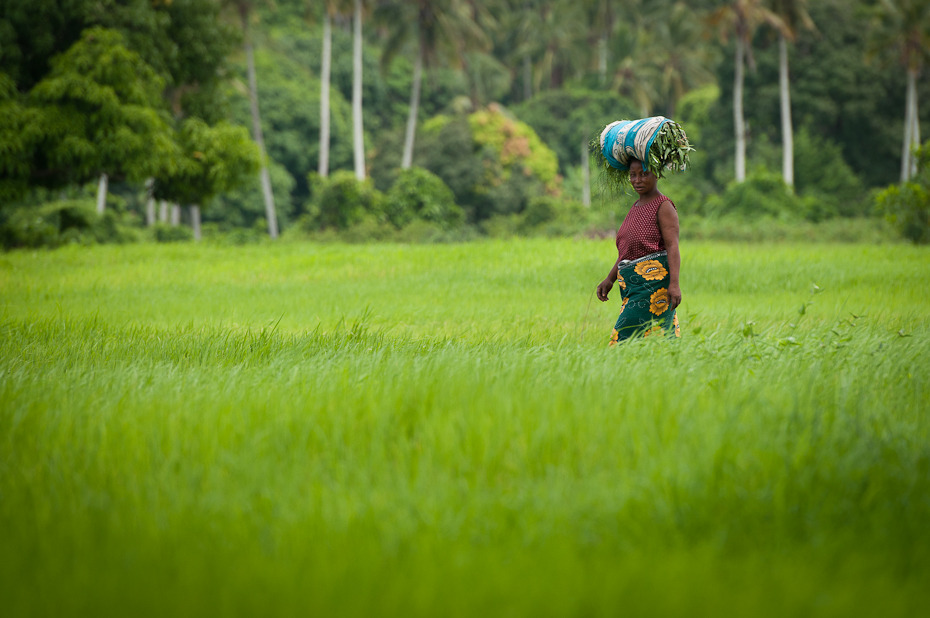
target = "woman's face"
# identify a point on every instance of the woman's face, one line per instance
(643, 182)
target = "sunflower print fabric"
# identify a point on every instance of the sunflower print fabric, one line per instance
(650, 270)
(645, 309)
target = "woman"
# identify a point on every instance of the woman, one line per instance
(648, 263)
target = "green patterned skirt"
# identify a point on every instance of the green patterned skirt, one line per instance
(643, 287)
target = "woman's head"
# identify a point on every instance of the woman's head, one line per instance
(644, 182)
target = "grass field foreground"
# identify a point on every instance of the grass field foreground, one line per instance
(389, 429)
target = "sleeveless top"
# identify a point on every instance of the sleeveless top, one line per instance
(639, 234)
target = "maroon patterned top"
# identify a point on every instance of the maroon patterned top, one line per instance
(639, 234)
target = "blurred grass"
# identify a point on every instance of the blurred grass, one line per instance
(388, 430)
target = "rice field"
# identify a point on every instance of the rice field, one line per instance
(359, 430)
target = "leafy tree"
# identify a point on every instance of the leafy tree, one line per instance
(19, 139)
(210, 160)
(34, 32)
(197, 45)
(182, 40)
(99, 110)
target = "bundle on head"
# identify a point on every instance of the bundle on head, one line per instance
(659, 143)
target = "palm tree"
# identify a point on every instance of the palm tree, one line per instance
(679, 54)
(443, 27)
(904, 27)
(794, 16)
(329, 10)
(358, 138)
(244, 9)
(741, 18)
(635, 72)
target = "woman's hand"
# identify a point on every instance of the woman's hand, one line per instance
(604, 287)
(674, 296)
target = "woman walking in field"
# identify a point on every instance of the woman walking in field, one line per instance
(648, 262)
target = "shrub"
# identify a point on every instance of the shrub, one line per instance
(60, 222)
(907, 206)
(340, 201)
(162, 232)
(420, 194)
(762, 194)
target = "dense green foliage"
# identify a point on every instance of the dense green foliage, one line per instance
(389, 429)
(61, 223)
(562, 68)
(907, 206)
(419, 194)
(98, 113)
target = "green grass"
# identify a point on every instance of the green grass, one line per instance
(440, 430)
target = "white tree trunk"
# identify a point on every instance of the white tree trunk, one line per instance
(911, 129)
(915, 129)
(257, 135)
(195, 221)
(358, 138)
(163, 211)
(102, 185)
(738, 121)
(407, 159)
(175, 215)
(326, 69)
(787, 129)
(585, 175)
(149, 202)
(602, 59)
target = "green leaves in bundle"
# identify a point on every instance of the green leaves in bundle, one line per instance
(670, 151)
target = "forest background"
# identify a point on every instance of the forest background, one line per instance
(172, 119)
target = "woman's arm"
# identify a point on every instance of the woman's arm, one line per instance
(604, 287)
(668, 226)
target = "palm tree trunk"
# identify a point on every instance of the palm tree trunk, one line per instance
(257, 135)
(915, 128)
(407, 159)
(738, 121)
(908, 164)
(323, 168)
(195, 221)
(102, 185)
(149, 202)
(358, 138)
(787, 130)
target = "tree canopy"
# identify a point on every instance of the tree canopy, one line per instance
(126, 88)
